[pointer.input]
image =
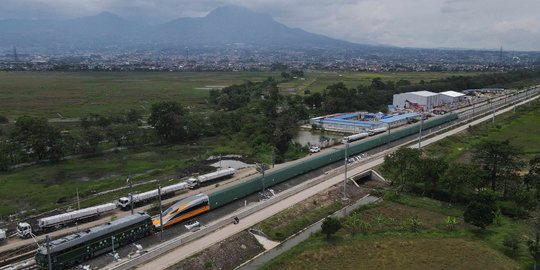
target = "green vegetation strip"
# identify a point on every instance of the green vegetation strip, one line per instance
(392, 235)
(289, 222)
(521, 128)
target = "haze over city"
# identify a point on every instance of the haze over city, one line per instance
(478, 24)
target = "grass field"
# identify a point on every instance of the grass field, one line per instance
(520, 128)
(75, 94)
(393, 253)
(389, 242)
(48, 186)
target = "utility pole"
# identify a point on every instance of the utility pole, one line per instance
(160, 215)
(48, 242)
(128, 180)
(345, 198)
(78, 208)
(273, 156)
(261, 168)
(492, 111)
(420, 133)
(388, 137)
(112, 241)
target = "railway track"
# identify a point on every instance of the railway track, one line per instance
(21, 259)
(27, 264)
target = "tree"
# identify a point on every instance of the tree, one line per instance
(37, 138)
(429, 172)
(479, 214)
(330, 226)
(9, 154)
(134, 116)
(168, 118)
(378, 84)
(532, 179)
(92, 136)
(401, 163)
(497, 158)
(285, 75)
(459, 178)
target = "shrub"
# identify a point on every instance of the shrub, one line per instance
(330, 226)
(450, 223)
(512, 209)
(415, 224)
(479, 214)
(511, 243)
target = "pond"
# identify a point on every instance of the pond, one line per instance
(305, 137)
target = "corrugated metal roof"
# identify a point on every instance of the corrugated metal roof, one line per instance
(452, 94)
(400, 117)
(424, 93)
(348, 122)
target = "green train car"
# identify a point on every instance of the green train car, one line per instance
(227, 195)
(82, 246)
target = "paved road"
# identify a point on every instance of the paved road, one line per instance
(200, 244)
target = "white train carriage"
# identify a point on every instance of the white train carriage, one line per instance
(73, 216)
(125, 202)
(354, 137)
(194, 182)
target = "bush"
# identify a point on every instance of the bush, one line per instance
(479, 214)
(511, 243)
(512, 209)
(415, 224)
(450, 223)
(3, 119)
(330, 226)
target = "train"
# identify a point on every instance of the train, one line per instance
(3, 235)
(354, 137)
(125, 202)
(76, 248)
(25, 230)
(195, 182)
(189, 207)
(183, 210)
(82, 246)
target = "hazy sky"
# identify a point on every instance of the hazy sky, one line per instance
(489, 24)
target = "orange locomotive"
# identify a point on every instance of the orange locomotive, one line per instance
(183, 210)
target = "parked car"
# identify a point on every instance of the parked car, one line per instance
(192, 225)
(314, 149)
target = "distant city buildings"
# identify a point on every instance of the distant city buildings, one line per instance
(250, 58)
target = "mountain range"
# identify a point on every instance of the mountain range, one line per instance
(223, 26)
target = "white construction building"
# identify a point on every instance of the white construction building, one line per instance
(451, 97)
(423, 99)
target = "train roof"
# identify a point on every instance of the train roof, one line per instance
(92, 233)
(187, 201)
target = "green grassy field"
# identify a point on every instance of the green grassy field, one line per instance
(75, 94)
(520, 128)
(389, 243)
(46, 186)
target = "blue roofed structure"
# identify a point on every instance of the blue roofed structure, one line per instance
(398, 120)
(351, 123)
